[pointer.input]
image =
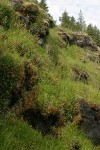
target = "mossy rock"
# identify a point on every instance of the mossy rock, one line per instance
(31, 8)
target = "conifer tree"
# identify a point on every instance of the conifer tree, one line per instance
(35, 1)
(43, 5)
(94, 32)
(65, 20)
(72, 23)
(81, 22)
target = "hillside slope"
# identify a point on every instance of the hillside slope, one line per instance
(49, 83)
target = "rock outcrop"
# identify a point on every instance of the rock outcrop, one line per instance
(80, 39)
(94, 58)
(90, 120)
(34, 19)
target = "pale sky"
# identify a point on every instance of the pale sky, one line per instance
(90, 9)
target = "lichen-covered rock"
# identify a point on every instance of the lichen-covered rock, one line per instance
(66, 37)
(83, 40)
(94, 57)
(80, 39)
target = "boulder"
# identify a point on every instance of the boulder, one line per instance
(41, 41)
(90, 120)
(80, 39)
(31, 9)
(84, 41)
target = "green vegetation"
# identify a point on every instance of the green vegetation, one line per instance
(41, 79)
(43, 5)
(69, 22)
(94, 32)
(18, 135)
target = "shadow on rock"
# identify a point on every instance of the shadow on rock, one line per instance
(90, 121)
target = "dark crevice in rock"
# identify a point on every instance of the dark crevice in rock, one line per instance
(40, 122)
(15, 96)
(76, 147)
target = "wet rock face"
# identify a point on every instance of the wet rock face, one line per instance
(90, 121)
(81, 40)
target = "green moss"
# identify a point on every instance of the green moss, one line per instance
(31, 8)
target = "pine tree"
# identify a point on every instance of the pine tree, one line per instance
(43, 5)
(65, 20)
(35, 1)
(73, 23)
(90, 29)
(94, 32)
(81, 22)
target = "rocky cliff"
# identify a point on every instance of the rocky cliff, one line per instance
(44, 70)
